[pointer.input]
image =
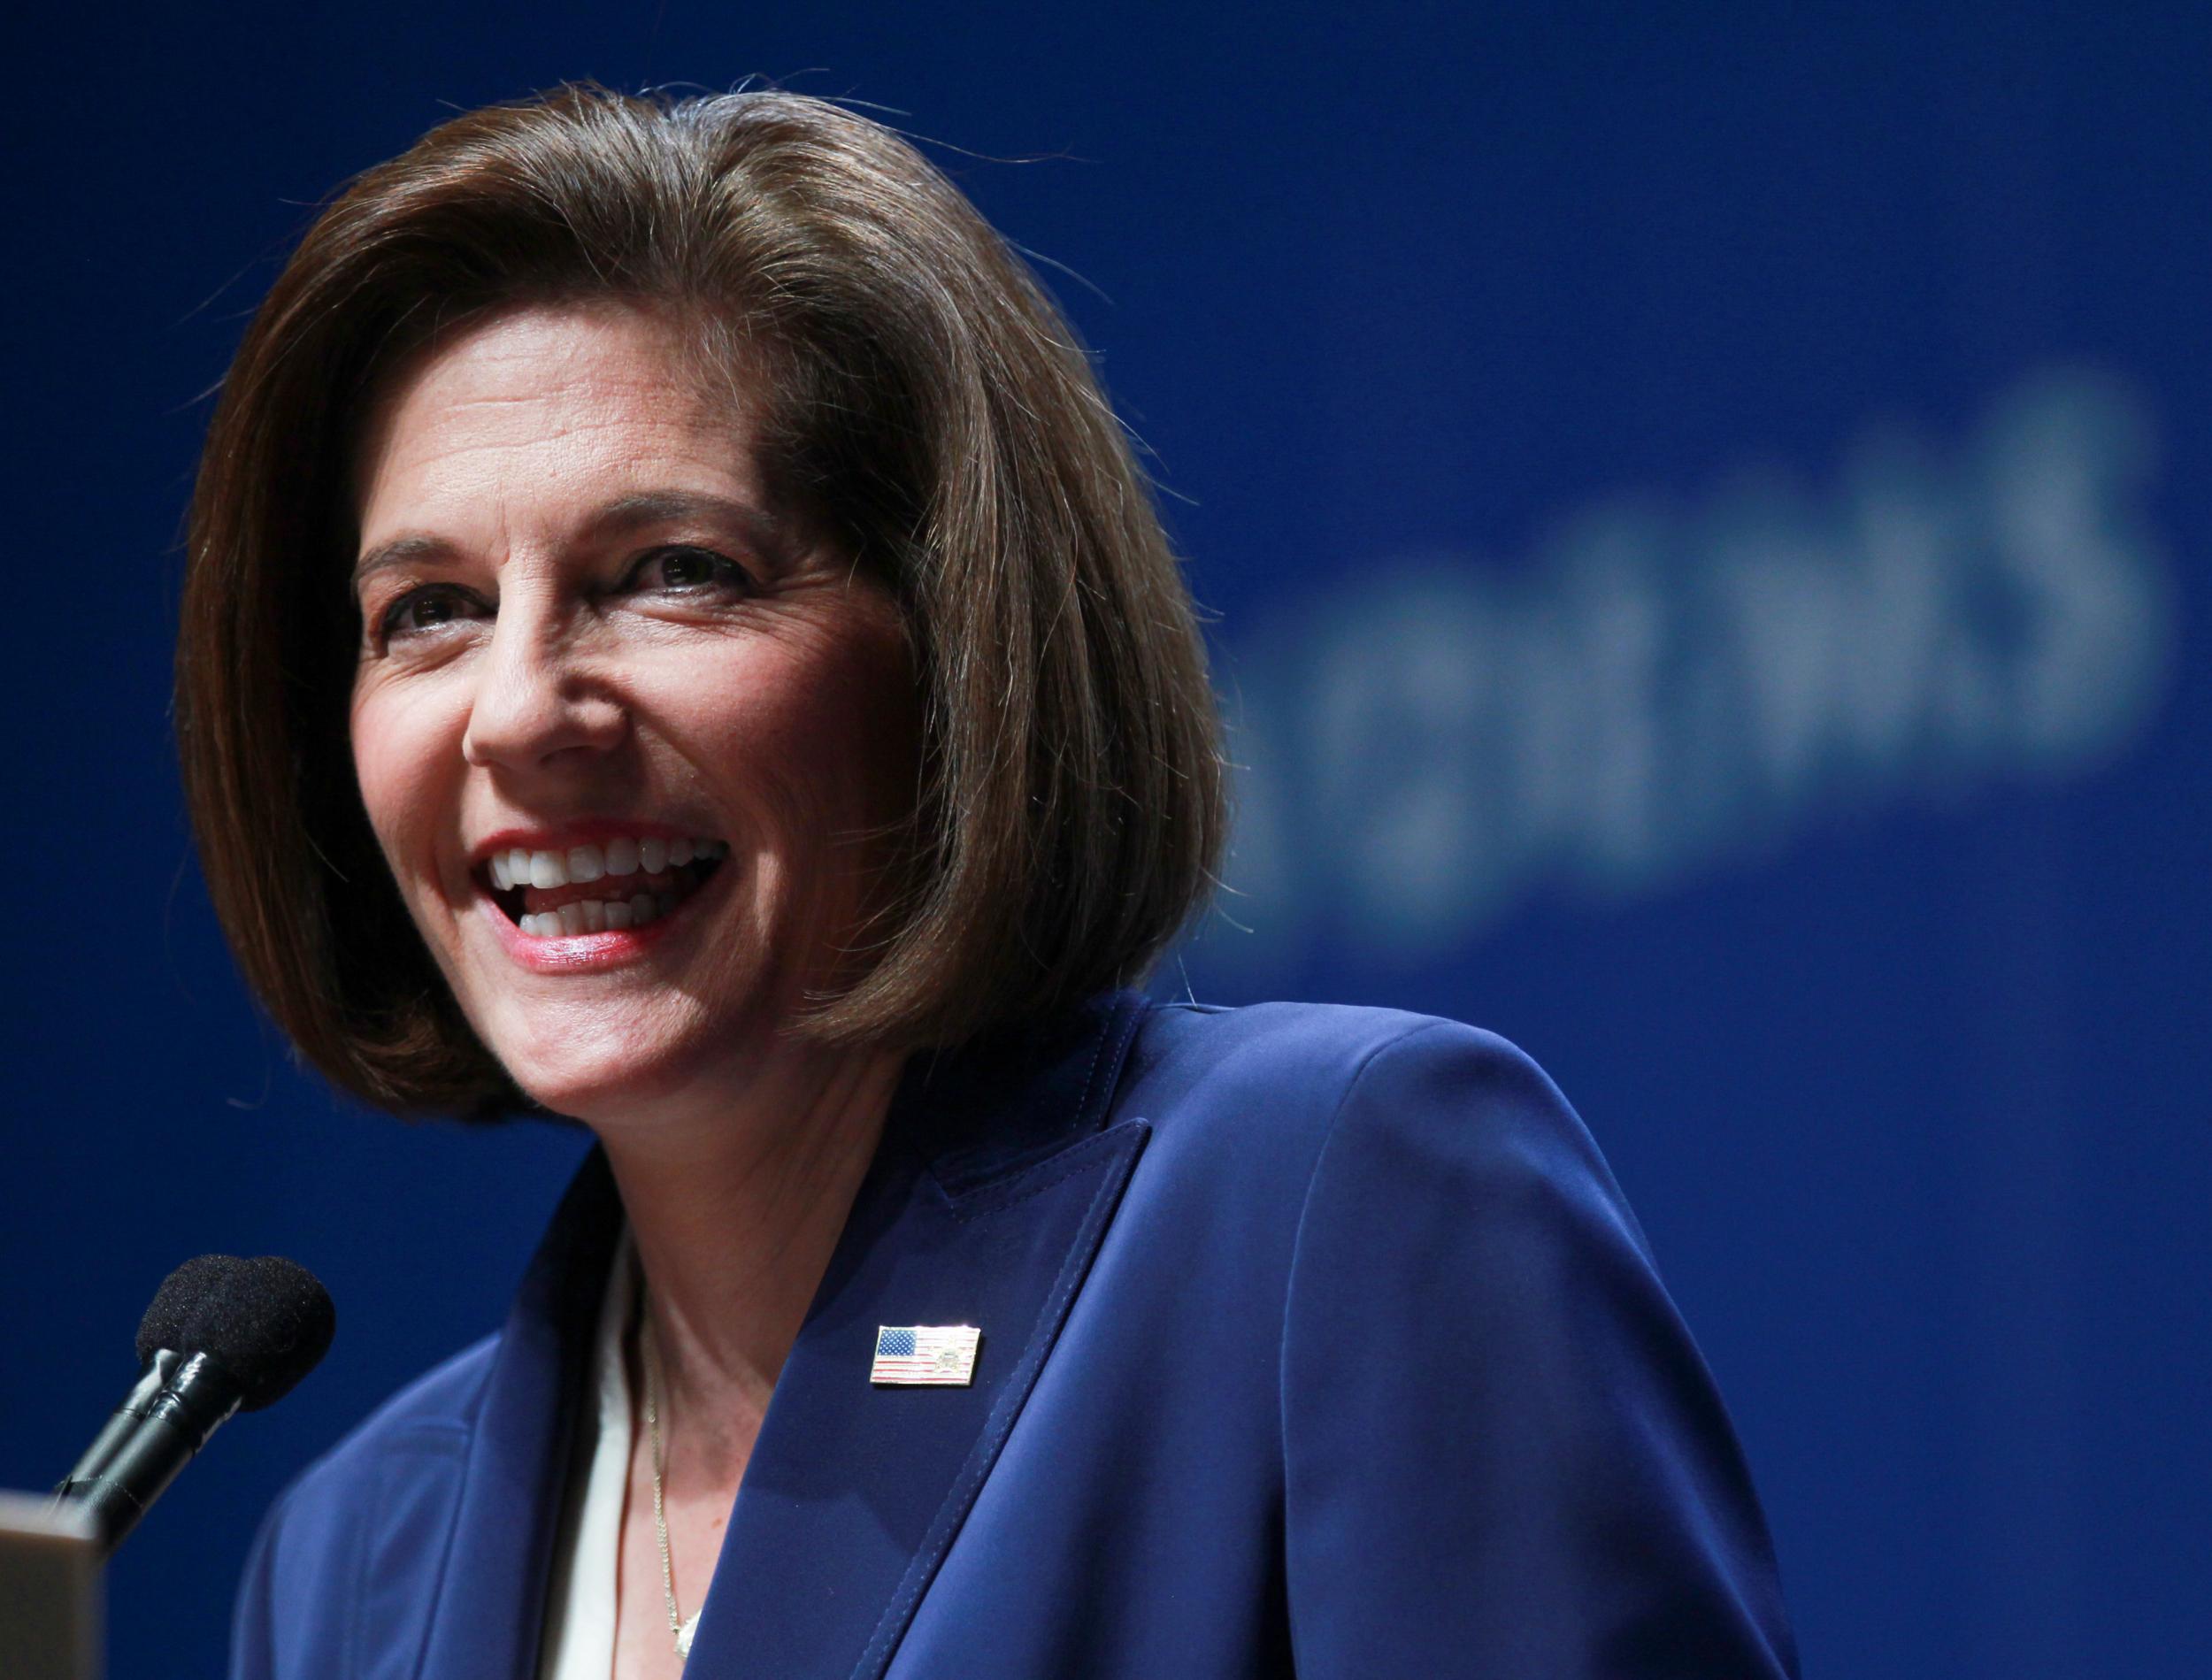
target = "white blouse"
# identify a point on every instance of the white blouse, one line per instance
(581, 1604)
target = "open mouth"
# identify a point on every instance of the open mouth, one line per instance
(603, 888)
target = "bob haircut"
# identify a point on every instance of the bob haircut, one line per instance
(925, 404)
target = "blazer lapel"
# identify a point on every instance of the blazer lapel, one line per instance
(490, 1599)
(985, 1207)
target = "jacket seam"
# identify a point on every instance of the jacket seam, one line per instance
(1076, 1158)
(261, 1570)
(1330, 1134)
(1123, 1030)
(470, 1433)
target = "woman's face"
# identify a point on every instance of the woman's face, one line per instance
(630, 739)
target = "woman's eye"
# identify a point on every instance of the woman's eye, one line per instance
(428, 608)
(688, 571)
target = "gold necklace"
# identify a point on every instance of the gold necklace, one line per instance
(679, 1629)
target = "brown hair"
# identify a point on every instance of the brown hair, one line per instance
(925, 399)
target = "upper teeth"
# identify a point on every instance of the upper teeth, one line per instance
(623, 856)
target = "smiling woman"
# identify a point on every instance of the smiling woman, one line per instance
(676, 638)
(850, 360)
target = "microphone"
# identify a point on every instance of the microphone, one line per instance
(223, 1335)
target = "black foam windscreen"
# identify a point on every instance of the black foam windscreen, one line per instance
(267, 1321)
(163, 1326)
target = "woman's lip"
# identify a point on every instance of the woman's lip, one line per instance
(570, 953)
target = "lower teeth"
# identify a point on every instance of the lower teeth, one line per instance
(597, 915)
(611, 916)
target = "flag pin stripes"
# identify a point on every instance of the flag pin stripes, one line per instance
(924, 1355)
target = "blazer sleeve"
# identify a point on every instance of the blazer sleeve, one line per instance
(253, 1640)
(1504, 1456)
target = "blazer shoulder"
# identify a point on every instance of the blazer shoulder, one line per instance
(387, 1488)
(1479, 1362)
(1307, 1064)
(1258, 1102)
(1305, 1038)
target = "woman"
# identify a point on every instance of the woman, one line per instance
(675, 637)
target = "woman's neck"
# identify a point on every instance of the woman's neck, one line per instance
(735, 1208)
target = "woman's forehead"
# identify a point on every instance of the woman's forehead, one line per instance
(564, 408)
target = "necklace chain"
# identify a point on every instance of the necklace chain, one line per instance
(679, 1631)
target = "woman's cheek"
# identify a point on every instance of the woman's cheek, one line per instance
(405, 755)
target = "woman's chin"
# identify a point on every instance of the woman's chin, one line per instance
(621, 1048)
(605, 1078)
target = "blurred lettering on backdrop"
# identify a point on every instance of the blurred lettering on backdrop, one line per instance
(1664, 685)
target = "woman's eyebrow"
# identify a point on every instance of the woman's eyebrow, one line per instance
(626, 513)
(398, 551)
(669, 507)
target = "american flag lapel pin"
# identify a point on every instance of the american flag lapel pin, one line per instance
(924, 1355)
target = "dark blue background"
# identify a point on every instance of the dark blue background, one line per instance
(1901, 1054)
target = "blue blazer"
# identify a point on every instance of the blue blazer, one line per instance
(1316, 1341)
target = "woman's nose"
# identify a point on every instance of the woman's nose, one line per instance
(537, 704)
